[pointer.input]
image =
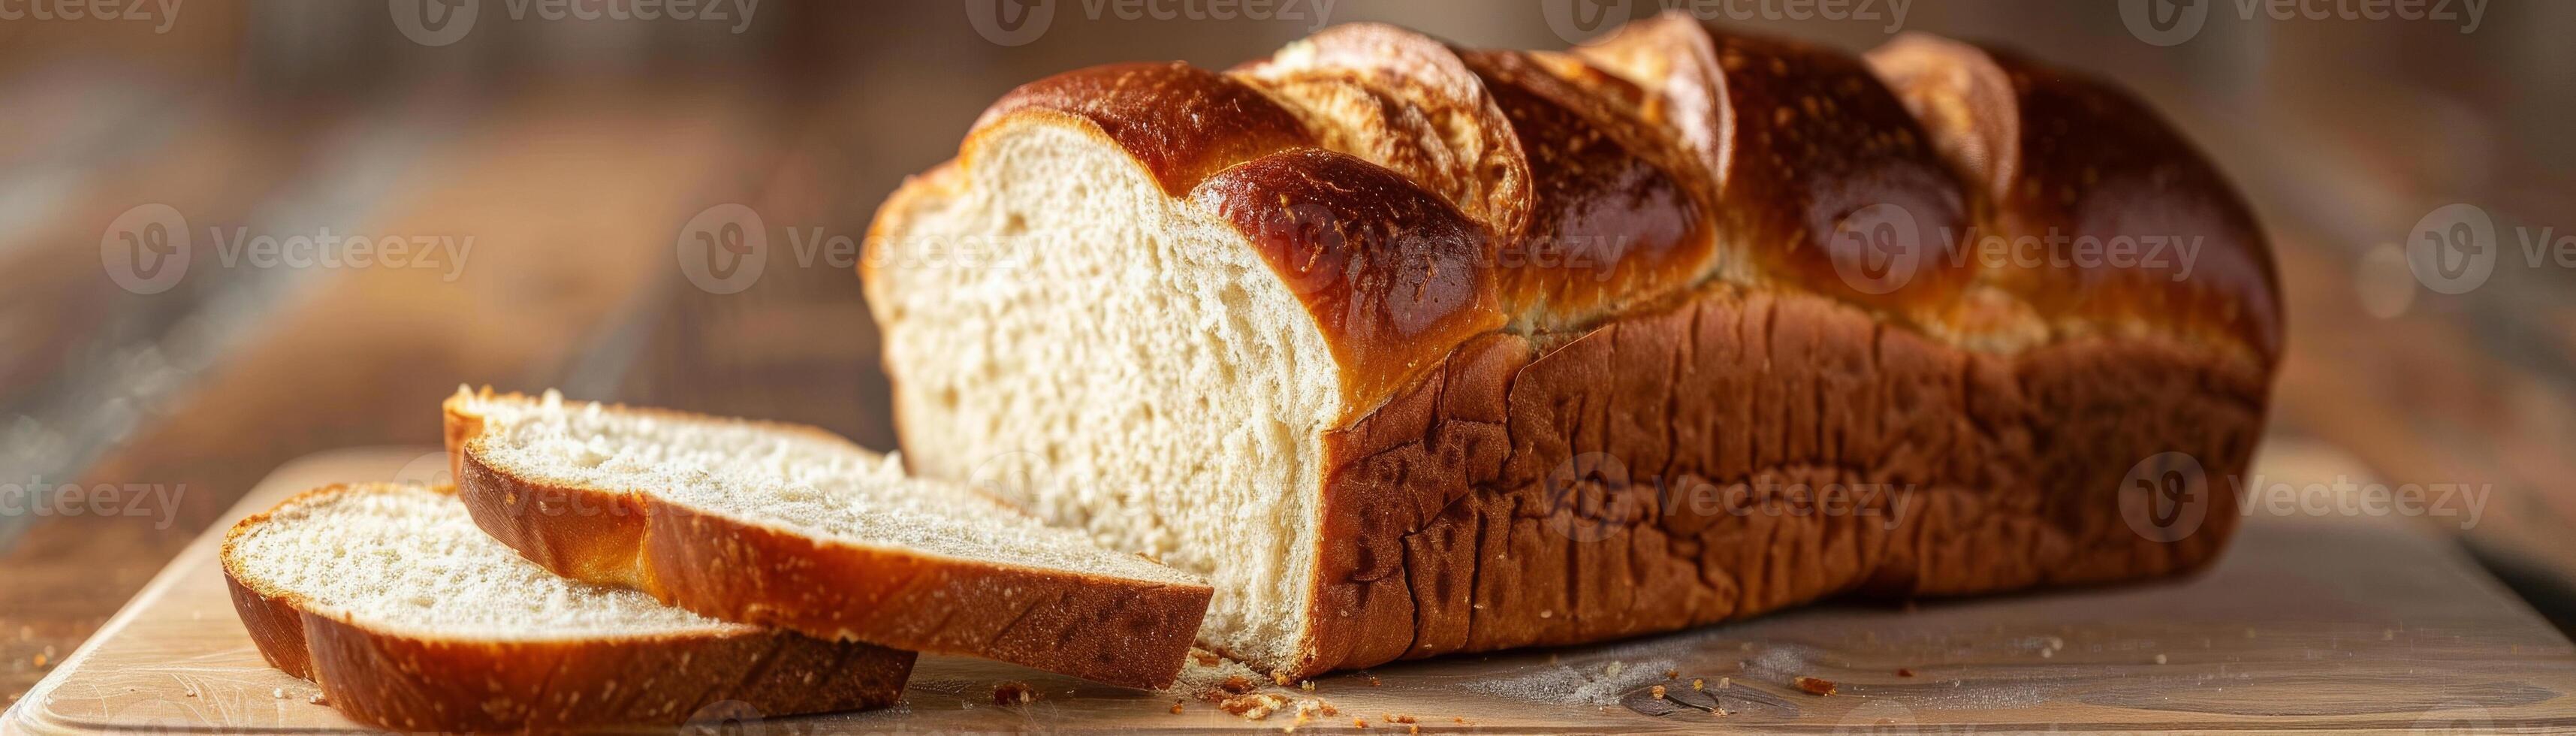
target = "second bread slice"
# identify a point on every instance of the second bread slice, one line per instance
(793, 526)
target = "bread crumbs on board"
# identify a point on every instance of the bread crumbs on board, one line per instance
(1253, 707)
(1815, 685)
(1239, 691)
(1014, 693)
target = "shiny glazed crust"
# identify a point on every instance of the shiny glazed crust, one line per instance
(1113, 630)
(1565, 450)
(411, 682)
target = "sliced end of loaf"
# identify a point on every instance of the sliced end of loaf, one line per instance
(1118, 360)
(409, 617)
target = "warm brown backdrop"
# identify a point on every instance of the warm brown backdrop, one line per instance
(574, 151)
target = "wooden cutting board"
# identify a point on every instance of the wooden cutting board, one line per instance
(2333, 622)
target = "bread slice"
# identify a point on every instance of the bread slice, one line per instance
(410, 618)
(793, 526)
(1416, 350)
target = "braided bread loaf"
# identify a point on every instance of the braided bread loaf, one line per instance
(1417, 350)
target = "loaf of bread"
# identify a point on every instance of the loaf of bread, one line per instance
(1414, 349)
(792, 526)
(409, 618)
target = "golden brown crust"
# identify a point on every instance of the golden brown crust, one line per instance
(1522, 493)
(1809, 150)
(405, 681)
(1405, 101)
(1613, 219)
(1181, 122)
(1113, 630)
(1387, 268)
(2075, 157)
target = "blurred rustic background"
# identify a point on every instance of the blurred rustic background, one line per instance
(567, 156)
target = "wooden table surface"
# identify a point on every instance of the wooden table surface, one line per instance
(573, 154)
(2349, 625)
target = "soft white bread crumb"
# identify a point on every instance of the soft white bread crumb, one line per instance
(1125, 356)
(407, 559)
